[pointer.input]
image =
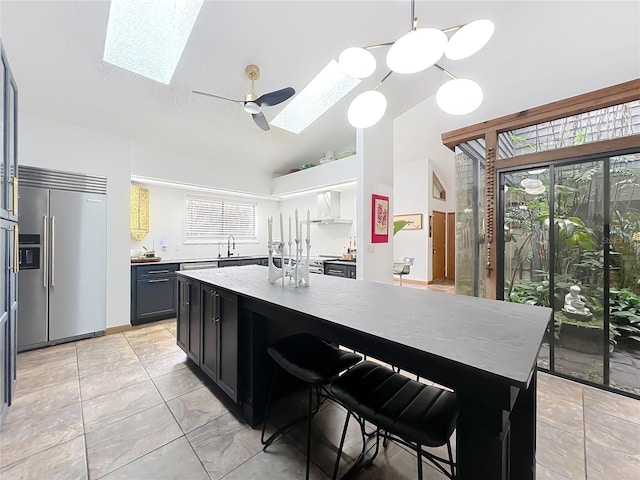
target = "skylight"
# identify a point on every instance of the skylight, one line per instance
(148, 37)
(329, 86)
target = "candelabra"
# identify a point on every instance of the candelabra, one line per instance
(296, 269)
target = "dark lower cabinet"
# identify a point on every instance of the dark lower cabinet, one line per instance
(153, 292)
(340, 270)
(188, 331)
(209, 360)
(227, 377)
(211, 330)
(220, 338)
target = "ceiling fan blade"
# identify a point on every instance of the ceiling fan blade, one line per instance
(240, 102)
(261, 121)
(274, 98)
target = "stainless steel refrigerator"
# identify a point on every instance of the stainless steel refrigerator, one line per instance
(63, 250)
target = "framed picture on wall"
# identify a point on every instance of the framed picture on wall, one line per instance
(379, 219)
(413, 221)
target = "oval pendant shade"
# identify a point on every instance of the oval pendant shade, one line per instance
(459, 96)
(357, 62)
(469, 39)
(417, 50)
(367, 109)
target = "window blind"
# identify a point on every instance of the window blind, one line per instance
(213, 219)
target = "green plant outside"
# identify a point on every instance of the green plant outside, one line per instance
(580, 254)
(398, 225)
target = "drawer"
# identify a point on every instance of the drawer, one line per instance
(335, 270)
(149, 271)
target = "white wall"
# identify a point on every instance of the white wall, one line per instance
(58, 146)
(166, 220)
(410, 195)
(375, 145)
(222, 173)
(418, 152)
(325, 239)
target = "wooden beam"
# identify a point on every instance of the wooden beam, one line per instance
(605, 97)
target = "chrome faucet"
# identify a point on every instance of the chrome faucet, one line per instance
(231, 246)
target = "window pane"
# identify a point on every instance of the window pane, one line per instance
(616, 121)
(212, 219)
(470, 246)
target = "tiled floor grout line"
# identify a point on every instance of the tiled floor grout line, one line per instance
(584, 436)
(84, 430)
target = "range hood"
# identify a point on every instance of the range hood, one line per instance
(329, 209)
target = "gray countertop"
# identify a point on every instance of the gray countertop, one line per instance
(497, 338)
(341, 262)
(196, 260)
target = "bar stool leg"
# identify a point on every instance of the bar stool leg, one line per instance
(344, 434)
(452, 464)
(268, 442)
(419, 455)
(309, 429)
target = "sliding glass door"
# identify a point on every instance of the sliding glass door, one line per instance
(571, 241)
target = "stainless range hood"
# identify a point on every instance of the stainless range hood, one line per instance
(329, 209)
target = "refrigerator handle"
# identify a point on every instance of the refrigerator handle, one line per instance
(45, 253)
(52, 255)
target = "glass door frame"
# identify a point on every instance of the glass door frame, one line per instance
(500, 263)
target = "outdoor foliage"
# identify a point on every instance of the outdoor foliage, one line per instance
(578, 225)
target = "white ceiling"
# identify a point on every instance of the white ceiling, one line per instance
(541, 51)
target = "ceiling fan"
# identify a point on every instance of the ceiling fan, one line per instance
(252, 103)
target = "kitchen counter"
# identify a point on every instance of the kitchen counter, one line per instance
(205, 259)
(341, 262)
(485, 350)
(153, 284)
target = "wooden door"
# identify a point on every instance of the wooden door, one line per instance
(438, 245)
(451, 246)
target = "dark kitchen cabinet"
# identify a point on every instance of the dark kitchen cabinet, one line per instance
(220, 338)
(153, 292)
(189, 330)
(240, 261)
(340, 269)
(9, 257)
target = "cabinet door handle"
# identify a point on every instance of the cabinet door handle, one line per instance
(45, 253)
(188, 295)
(158, 281)
(153, 272)
(52, 267)
(16, 250)
(217, 308)
(213, 306)
(15, 195)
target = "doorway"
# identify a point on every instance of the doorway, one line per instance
(438, 245)
(568, 241)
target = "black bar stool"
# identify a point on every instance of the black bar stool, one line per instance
(313, 361)
(403, 411)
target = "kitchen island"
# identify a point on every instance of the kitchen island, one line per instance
(485, 350)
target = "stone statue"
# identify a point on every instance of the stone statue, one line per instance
(574, 302)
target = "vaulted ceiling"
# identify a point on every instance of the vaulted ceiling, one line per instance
(541, 52)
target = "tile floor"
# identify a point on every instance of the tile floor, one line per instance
(131, 406)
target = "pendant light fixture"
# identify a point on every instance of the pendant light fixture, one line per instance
(414, 52)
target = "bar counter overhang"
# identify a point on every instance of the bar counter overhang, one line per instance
(484, 350)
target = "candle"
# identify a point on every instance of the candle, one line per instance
(270, 224)
(297, 226)
(289, 229)
(308, 225)
(281, 229)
